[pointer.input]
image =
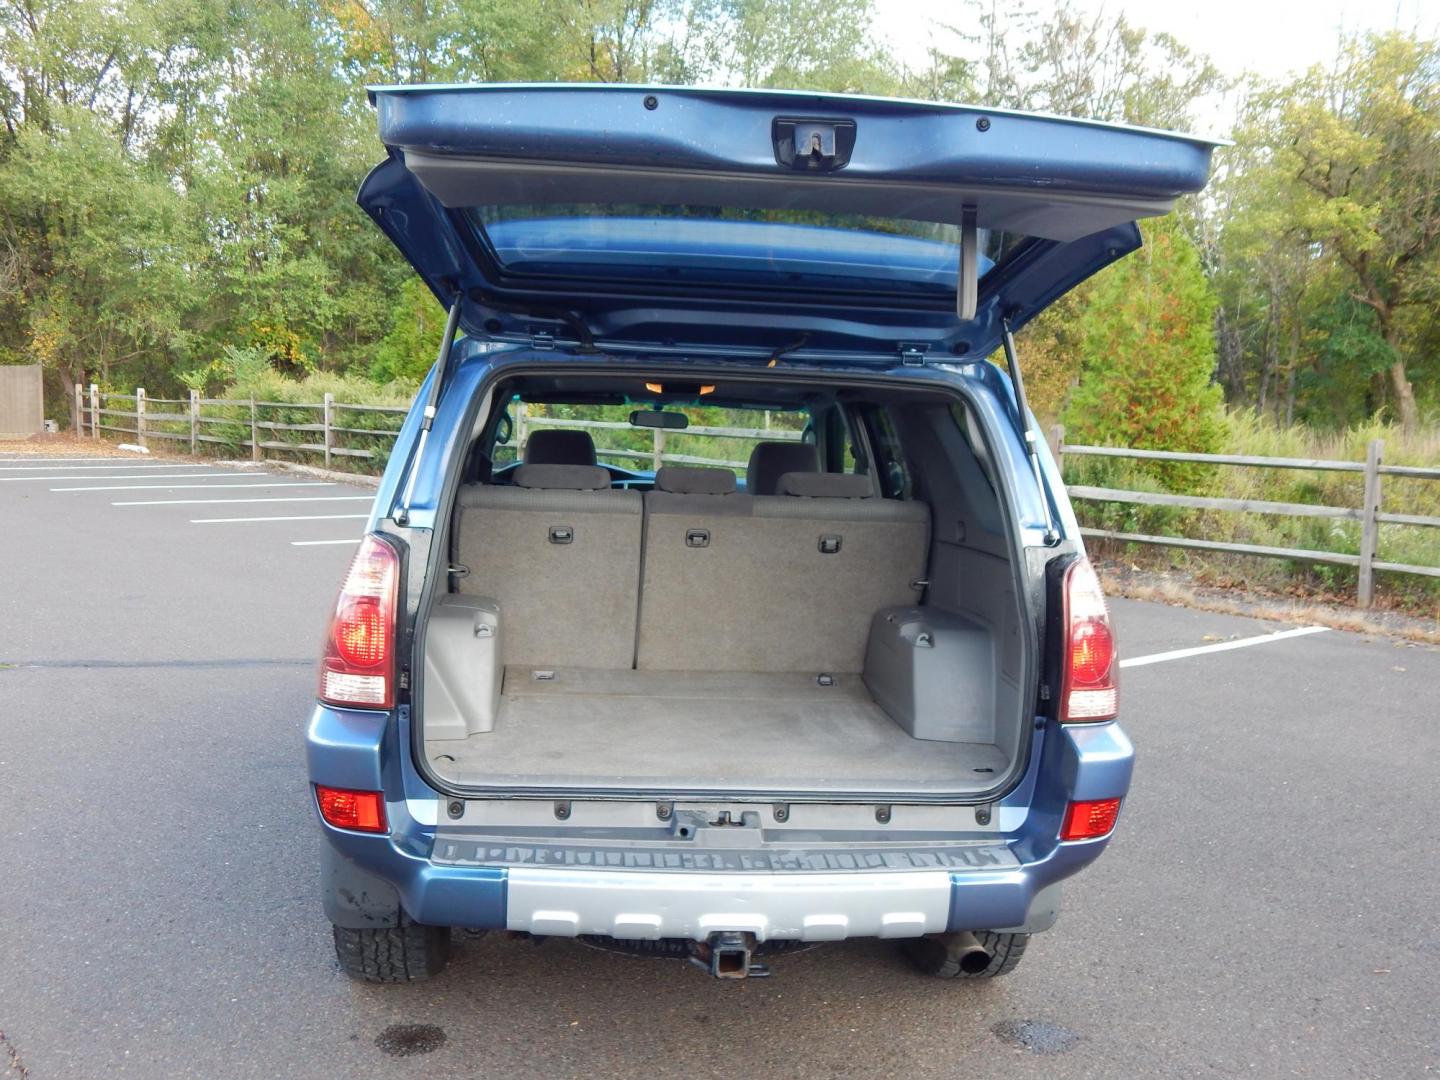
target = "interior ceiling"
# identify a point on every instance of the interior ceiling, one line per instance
(728, 394)
(573, 388)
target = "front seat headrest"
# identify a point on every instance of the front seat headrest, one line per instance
(559, 446)
(771, 460)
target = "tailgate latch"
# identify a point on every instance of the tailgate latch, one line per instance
(813, 145)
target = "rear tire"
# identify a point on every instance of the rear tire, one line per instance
(393, 954)
(938, 956)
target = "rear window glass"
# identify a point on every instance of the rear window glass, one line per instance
(731, 245)
(717, 437)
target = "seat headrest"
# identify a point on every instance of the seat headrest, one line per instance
(698, 481)
(563, 477)
(826, 485)
(771, 460)
(559, 446)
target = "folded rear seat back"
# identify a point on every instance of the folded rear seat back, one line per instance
(774, 582)
(560, 552)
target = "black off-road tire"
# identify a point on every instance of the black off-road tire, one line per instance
(393, 954)
(935, 956)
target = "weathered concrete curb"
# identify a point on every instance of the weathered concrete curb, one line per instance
(358, 479)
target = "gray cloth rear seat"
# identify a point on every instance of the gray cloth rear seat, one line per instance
(562, 559)
(740, 583)
(696, 491)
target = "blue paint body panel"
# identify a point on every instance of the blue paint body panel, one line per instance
(1059, 166)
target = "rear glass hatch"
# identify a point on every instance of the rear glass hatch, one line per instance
(729, 222)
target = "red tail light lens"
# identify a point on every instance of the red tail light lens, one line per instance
(358, 666)
(363, 811)
(1089, 691)
(1089, 820)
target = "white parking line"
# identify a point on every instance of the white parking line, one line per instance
(129, 476)
(8, 467)
(137, 460)
(317, 543)
(293, 517)
(263, 499)
(1222, 646)
(212, 487)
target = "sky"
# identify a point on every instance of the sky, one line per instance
(1268, 37)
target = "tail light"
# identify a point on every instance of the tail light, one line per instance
(1090, 820)
(358, 666)
(1089, 691)
(363, 811)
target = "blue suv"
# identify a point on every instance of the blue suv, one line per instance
(719, 597)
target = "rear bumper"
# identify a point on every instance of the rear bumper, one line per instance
(370, 879)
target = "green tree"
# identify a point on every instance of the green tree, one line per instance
(409, 347)
(1354, 155)
(1147, 351)
(807, 44)
(1073, 63)
(96, 277)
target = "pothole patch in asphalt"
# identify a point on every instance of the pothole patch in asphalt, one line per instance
(406, 1040)
(1037, 1036)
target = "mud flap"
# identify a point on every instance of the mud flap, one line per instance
(354, 897)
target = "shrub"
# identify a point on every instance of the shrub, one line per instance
(1147, 354)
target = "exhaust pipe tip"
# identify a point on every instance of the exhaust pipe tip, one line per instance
(967, 951)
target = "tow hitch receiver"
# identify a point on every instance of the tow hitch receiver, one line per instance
(727, 956)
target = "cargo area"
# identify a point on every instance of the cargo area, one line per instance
(792, 630)
(739, 730)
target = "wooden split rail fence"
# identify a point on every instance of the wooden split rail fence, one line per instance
(96, 411)
(1369, 514)
(242, 423)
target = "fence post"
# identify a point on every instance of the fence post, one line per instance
(1057, 445)
(194, 419)
(1369, 527)
(329, 420)
(94, 411)
(79, 412)
(140, 415)
(254, 432)
(657, 450)
(522, 433)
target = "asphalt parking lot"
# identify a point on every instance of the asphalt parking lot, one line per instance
(1268, 908)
